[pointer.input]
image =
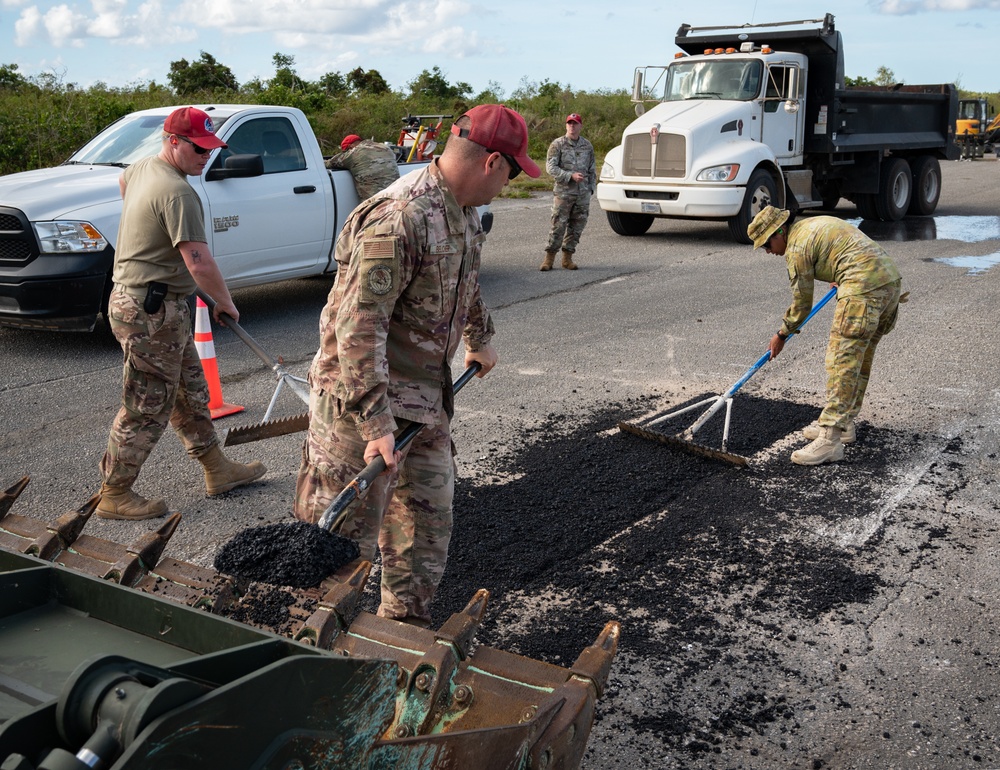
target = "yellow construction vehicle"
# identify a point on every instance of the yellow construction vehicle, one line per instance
(974, 127)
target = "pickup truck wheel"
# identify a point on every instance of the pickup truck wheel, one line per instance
(629, 224)
(926, 185)
(761, 192)
(894, 190)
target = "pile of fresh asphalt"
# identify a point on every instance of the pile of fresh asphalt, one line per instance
(295, 554)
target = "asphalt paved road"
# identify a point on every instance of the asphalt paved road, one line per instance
(680, 309)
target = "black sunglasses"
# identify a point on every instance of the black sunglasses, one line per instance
(199, 150)
(514, 168)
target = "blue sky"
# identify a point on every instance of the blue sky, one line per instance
(587, 45)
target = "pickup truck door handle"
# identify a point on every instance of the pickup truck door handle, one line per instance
(307, 188)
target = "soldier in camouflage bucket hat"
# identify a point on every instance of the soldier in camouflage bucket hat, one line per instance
(405, 296)
(868, 295)
(372, 165)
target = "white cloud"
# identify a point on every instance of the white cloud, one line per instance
(27, 26)
(901, 7)
(109, 20)
(65, 26)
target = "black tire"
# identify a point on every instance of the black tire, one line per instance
(866, 205)
(629, 224)
(895, 188)
(761, 192)
(926, 185)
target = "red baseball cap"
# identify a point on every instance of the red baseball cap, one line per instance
(195, 125)
(349, 140)
(574, 118)
(499, 129)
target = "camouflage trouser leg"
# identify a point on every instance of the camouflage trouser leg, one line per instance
(407, 514)
(162, 383)
(569, 217)
(859, 323)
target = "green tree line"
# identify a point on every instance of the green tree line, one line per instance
(43, 120)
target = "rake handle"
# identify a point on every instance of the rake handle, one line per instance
(336, 512)
(753, 369)
(239, 331)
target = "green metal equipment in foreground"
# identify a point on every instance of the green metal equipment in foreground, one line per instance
(113, 657)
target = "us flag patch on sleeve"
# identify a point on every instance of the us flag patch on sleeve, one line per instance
(379, 268)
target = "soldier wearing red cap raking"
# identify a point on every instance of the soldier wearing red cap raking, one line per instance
(372, 165)
(570, 162)
(161, 256)
(407, 293)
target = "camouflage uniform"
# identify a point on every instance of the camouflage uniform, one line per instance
(406, 293)
(372, 165)
(571, 200)
(829, 249)
(163, 380)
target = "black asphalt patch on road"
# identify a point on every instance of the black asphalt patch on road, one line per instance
(698, 559)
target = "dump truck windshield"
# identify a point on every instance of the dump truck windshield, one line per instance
(715, 79)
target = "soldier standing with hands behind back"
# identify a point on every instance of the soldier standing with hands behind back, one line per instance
(571, 163)
(162, 256)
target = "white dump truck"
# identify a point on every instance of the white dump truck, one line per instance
(758, 115)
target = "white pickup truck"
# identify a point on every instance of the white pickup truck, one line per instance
(272, 212)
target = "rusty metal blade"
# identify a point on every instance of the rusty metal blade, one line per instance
(688, 446)
(267, 429)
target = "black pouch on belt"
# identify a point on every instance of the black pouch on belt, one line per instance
(155, 292)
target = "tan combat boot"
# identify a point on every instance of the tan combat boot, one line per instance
(826, 448)
(222, 474)
(550, 257)
(568, 262)
(847, 436)
(123, 503)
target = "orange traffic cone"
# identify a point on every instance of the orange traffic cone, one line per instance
(206, 352)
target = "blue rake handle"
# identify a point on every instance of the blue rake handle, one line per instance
(753, 370)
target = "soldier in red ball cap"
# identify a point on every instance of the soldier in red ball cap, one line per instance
(407, 293)
(161, 257)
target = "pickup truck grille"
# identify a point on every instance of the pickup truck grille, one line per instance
(17, 244)
(670, 156)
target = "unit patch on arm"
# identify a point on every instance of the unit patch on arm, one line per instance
(379, 268)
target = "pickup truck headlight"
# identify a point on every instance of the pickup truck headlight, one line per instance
(69, 237)
(607, 171)
(726, 173)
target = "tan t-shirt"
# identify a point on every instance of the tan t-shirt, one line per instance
(160, 210)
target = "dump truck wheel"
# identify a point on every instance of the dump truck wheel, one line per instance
(761, 192)
(629, 224)
(926, 185)
(895, 188)
(866, 205)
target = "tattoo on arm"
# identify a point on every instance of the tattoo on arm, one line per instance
(195, 255)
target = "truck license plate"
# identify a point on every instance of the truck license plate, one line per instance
(650, 208)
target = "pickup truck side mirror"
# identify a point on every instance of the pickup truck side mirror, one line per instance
(237, 167)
